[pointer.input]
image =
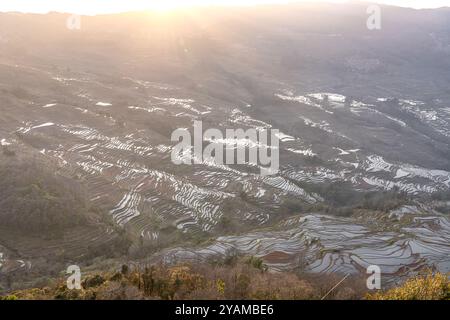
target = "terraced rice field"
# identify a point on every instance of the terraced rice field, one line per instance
(122, 152)
(400, 242)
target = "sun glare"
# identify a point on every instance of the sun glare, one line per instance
(166, 5)
(115, 6)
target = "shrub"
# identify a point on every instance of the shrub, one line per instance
(93, 282)
(429, 287)
(9, 298)
(257, 263)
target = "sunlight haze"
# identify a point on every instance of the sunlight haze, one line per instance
(103, 6)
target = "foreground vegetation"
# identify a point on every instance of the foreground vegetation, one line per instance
(246, 279)
(428, 287)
